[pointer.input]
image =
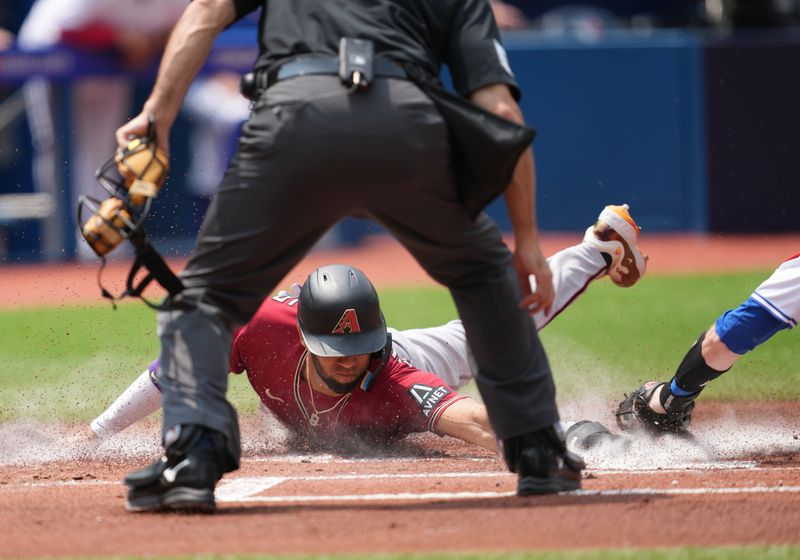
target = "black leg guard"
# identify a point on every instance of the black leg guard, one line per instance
(693, 373)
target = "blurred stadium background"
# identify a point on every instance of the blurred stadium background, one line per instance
(686, 109)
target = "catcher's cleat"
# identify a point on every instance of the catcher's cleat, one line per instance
(635, 413)
(184, 479)
(616, 235)
(542, 462)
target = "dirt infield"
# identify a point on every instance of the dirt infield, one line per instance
(430, 495)
(60, 496)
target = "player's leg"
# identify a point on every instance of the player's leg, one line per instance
(444, 350)
(616, 235)
(610, 246)
(666, 407)
(141, 398)
(574, 268)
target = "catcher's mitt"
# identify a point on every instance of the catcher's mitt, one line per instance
(634, 413)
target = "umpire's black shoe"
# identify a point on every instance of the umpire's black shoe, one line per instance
(184, 478)
(542, 462)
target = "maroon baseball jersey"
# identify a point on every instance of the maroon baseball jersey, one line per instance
(401, 400)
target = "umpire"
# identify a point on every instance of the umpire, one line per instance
(349, 119)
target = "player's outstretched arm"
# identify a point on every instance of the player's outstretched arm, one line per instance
(139, 400)
(468, 420)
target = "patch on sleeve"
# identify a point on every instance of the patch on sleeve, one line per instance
(428, 397)
(502, 56)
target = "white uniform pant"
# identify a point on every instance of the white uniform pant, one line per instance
(443, 350)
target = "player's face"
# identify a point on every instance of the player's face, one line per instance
(341, 374)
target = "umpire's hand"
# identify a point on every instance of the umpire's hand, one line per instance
(529, 261)
(140, 126)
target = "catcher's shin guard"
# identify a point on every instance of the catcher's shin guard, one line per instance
(542, 463)
(635, 414)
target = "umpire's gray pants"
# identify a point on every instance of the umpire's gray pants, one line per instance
(310, 155)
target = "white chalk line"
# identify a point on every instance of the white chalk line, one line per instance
(246, 489)
(493, 474)
(327, 459)
(398, 497)
(333, 459)
(689, 491)
(440, 496)
(391, 476)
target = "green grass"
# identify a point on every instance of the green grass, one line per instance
(65, 362)
(71, 362)
(615, 338)
(711, 553)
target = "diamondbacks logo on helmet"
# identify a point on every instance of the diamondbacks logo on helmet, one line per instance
(348, 323)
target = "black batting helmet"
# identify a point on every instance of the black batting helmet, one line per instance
(339, 313)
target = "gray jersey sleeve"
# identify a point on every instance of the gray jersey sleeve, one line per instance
(441, 350)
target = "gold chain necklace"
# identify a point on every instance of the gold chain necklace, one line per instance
(314, 417)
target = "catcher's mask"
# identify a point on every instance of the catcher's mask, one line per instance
(136, 172)
(132, 176)
(111, 222)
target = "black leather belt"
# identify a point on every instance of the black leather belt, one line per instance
(315, 65)
(309, 65)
